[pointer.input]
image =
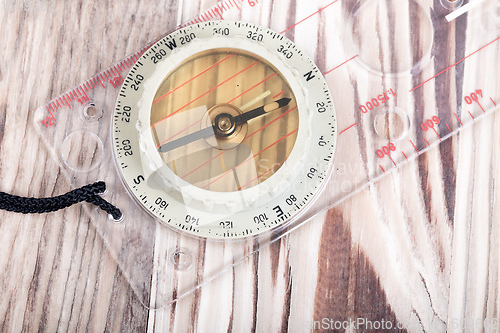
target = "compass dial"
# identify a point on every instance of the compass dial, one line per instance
(224, 129)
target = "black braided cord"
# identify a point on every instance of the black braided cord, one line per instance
(88, 193)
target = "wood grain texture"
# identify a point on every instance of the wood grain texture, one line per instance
(419, 248)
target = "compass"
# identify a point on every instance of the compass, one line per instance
(224, 130)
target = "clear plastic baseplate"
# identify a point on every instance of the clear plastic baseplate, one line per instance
(405, 75)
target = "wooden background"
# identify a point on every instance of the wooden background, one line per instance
(401, 258)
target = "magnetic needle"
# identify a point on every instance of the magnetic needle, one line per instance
(224, 129)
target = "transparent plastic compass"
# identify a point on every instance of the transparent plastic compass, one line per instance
(223, 133)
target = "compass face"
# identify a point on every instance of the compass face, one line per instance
(209, 90)
(224, 130)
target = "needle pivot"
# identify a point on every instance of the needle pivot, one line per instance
(224, 124)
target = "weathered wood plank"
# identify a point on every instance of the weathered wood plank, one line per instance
(420, 248)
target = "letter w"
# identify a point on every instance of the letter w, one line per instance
(171, 44)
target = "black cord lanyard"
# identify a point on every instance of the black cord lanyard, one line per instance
(88, 193)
